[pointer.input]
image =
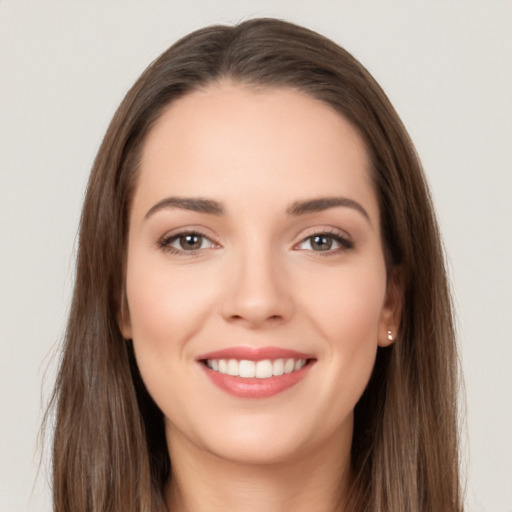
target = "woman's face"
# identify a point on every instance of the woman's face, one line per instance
(256, 282)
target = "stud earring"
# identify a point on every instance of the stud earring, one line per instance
(390, 336)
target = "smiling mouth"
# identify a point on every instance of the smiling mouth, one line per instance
(263, 369)
(256, 372)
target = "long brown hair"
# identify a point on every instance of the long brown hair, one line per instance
(109, 451)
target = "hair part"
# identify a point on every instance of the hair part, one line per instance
(109, 451)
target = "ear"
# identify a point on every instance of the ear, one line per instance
(123, 318)
(392, 310)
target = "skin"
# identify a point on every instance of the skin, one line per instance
(257, 281)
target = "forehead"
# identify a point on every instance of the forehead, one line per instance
(276, 142)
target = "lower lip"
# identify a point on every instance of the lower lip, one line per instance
(256, 388)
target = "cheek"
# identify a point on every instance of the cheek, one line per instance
(346, 304)
(166, 305)
(348, 318)
(167, 309)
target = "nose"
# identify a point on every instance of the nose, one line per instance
(257, 292)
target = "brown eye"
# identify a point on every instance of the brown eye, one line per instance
(186, 243)
(330, 243)
(321, 242)
(190, 242)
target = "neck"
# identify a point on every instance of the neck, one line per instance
(203, 482)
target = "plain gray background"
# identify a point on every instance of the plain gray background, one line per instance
(65, 66)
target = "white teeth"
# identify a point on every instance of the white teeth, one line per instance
(264, 369)
(278, 367)
(232, 367)
(289, 365)
(247, 369)
(250, 369)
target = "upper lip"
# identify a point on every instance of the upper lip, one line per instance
(254, 354)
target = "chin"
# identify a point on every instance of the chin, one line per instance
(256, 449)
(266, 439)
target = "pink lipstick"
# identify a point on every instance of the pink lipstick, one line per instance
(250, 372)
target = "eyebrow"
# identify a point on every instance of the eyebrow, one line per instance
(195, 204)
(325, 203)
(212, 207)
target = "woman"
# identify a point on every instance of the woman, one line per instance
(261, 318)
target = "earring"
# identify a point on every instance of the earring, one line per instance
(390, 336)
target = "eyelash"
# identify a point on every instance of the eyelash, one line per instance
(344, 243)
(165, 243)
